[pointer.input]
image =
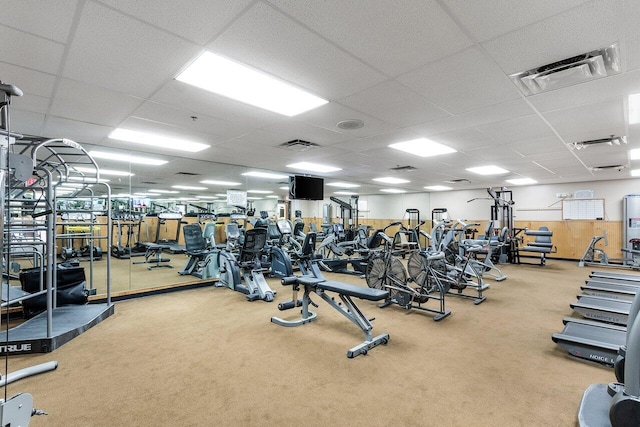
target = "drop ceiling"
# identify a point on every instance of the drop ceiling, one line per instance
(417, 68)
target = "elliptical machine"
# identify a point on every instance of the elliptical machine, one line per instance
(247, 266)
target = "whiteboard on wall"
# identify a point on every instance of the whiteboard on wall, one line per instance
(583, 209)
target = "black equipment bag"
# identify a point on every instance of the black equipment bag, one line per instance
(70, 287)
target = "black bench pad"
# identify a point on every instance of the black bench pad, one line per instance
(539, 249)
(361, 292)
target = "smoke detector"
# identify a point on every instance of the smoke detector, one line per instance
(577, 69)
(351, 124)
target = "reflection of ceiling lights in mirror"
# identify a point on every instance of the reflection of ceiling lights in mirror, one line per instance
(313, 167)
(488, 170)
(188, 187)
(164, 191)
(215, 182)
(393, 190)
(345, 193)
(521, 181)
(102, 171)
(207, 197)
(257, 174)
(634, 108)
(130, 158)
(391, 180)
(82, 178)
(635, 172)
(260, 191)
(157, 140)
(437, 187)
(341, 185)
(228, 78)
(422, 147)
(272, 196)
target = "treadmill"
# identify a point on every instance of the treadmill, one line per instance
(610, 290)
(615, 276)
(595, 341)
(602, 309)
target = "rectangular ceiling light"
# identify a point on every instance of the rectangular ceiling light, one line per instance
(313, 167)
(157, 140)
(423, 147)
(393, 190)
(343, 185)
(635, 172)
(272, 196)
(391, 180)
(206, 197)
(164, 191)
(237, 81)
(522, 181)
(215, 182)
(634, 154)
(102, 171)
(140, 160)
(488, 170)
(86, 178)
(188, 187)
(437, 188)
(345, 193)
(634, 108)
(265, 175)
(259, 191)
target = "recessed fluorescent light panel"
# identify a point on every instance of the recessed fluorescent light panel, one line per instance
(345, 193)
(259, 191)
(437, 187)
(265, 175)
(102, 171)
(254, 198)
(164, 191)
(215, 182)
(342, 184)
(634, 154)
(313, 167)
(393, 190)
(634, 108)
(206, 197)
(84, 178)
(237, 81)
(272, 196)
(422, 147)
(635, 172)
(127, 158)
(188, 187)
(156, 140)
(391, 180)
(488, 170)
(522, 181)
(283, 188)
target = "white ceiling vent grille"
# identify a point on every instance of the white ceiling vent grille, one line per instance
(608, 167)
(611, 141)
(578, 69)
(458, 181)
(403, 169)
(298, 145)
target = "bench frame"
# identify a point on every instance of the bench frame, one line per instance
(347, 308)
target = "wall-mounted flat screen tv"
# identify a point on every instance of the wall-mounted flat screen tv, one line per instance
(306, 188)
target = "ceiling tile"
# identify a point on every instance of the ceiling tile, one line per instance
(195, 20)
(631, 41)
(80, 132)
(269, 41)
(462, 82)
(292, 129)
(590, 121)
(29, 81)
(592, 25)
(518, 129)
(486, 19)
(397, 104)
(34, 103)
(27, 122)
(87, 103)
(26, 50)
(392, 39)
(537, 146)
(48, 19)
(102, 52)
(329, 115)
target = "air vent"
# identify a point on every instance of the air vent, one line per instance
(403, 169)
(187, 173)
(577, 69)
(298, 145)
(612, 140)
(458, 181)
(608, 167)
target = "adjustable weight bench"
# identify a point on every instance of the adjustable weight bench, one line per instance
(348, 307)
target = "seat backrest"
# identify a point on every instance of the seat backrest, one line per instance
(298, 228)
(375, 240)
(209, 234)
(543, 239)
(272, 232)
(283, 226)
(193, 238)
(309, 244)
(254, 242)
(233, 232)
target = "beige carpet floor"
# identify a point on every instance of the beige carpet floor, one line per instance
(207, 357)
